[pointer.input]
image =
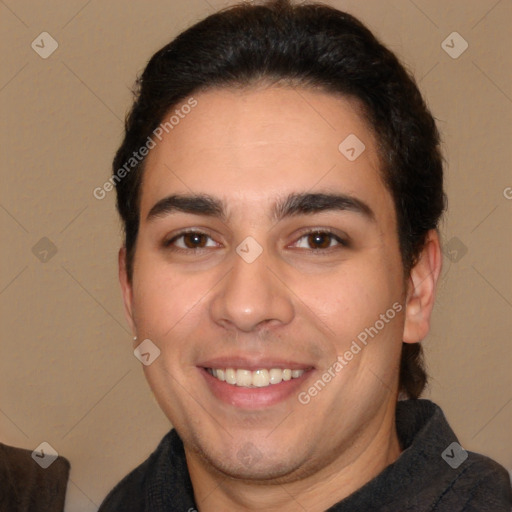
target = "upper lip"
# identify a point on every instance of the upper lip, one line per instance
(243, 362)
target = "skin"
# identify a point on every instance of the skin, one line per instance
(249, 148)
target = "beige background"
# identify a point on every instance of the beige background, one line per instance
(67, 372)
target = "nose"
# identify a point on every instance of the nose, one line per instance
(253, 295)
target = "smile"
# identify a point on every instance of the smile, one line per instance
(254, 379)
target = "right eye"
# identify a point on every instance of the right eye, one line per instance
(193, 240)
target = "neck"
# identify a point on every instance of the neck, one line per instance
(377, 447)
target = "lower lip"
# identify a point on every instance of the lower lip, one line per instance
(254, 398)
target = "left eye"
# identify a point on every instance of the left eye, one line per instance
(322, 239)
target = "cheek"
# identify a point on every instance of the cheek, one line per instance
(351, 299)
(161, 299)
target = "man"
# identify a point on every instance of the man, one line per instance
(280, 185)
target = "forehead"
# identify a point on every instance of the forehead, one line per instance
(251, 146)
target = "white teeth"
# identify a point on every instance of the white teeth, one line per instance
(230, 376)
(275, 376)
(258, 378)
(243, 378)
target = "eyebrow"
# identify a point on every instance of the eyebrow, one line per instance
(292, 205)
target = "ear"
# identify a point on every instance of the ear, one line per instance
(126, 289)
(421, 292)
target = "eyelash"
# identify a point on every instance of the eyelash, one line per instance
(168, 244)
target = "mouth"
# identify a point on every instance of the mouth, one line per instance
(261, 378)
(254, 384)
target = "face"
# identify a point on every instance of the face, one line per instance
(279, 316)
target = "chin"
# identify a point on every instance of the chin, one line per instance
(254, 462)
(258, 472)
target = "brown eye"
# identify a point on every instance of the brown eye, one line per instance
(194, 240)
(189, 241)
(319, 241)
